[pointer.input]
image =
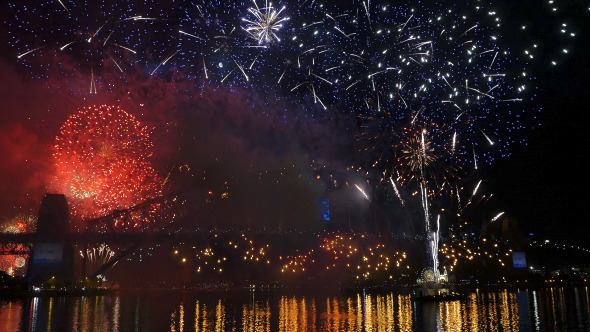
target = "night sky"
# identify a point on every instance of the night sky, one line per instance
(544, 185)
(273, 157)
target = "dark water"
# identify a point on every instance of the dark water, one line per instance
(551, 309)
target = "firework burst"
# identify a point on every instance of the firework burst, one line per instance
(98, 255)
(427, 154)
(421, 152)
(23, 223)
(450, 64)
(229, 44)
(102, 158)
(422, 157)
(264, 25)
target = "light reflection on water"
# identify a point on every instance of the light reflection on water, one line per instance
(552, 309)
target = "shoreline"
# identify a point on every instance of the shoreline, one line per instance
(400, 289)
(20, 293)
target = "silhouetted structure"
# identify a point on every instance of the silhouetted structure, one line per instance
(53, 255)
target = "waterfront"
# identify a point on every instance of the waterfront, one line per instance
(549, 309)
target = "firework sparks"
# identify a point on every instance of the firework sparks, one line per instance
(460, 254)
(102, 161)
(496, 217)
(390, 65)
(23, 223)
(82, 39)
(362, 192)
(397, 191)
(434, 238)
(266, 23)
(423, 156)
(356, 257)
(100, 254)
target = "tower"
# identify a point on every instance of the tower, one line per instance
(52, 256)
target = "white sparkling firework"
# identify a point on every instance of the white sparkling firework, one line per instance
(266, 23)
(101, 254)
(397, 192)
(434, 248)
(362, 192)
(476, 188)
(496, 217)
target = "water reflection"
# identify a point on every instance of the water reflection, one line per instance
(361, 312)
(10, 316)
(539, 310)
(256, 317)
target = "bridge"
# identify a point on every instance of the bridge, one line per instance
(50, 248)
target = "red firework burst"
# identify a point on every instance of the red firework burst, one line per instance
(102, 158)
(24, 223)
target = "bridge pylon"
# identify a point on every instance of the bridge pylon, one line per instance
(52, 256)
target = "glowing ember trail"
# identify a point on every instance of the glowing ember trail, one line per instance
(102, 158)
